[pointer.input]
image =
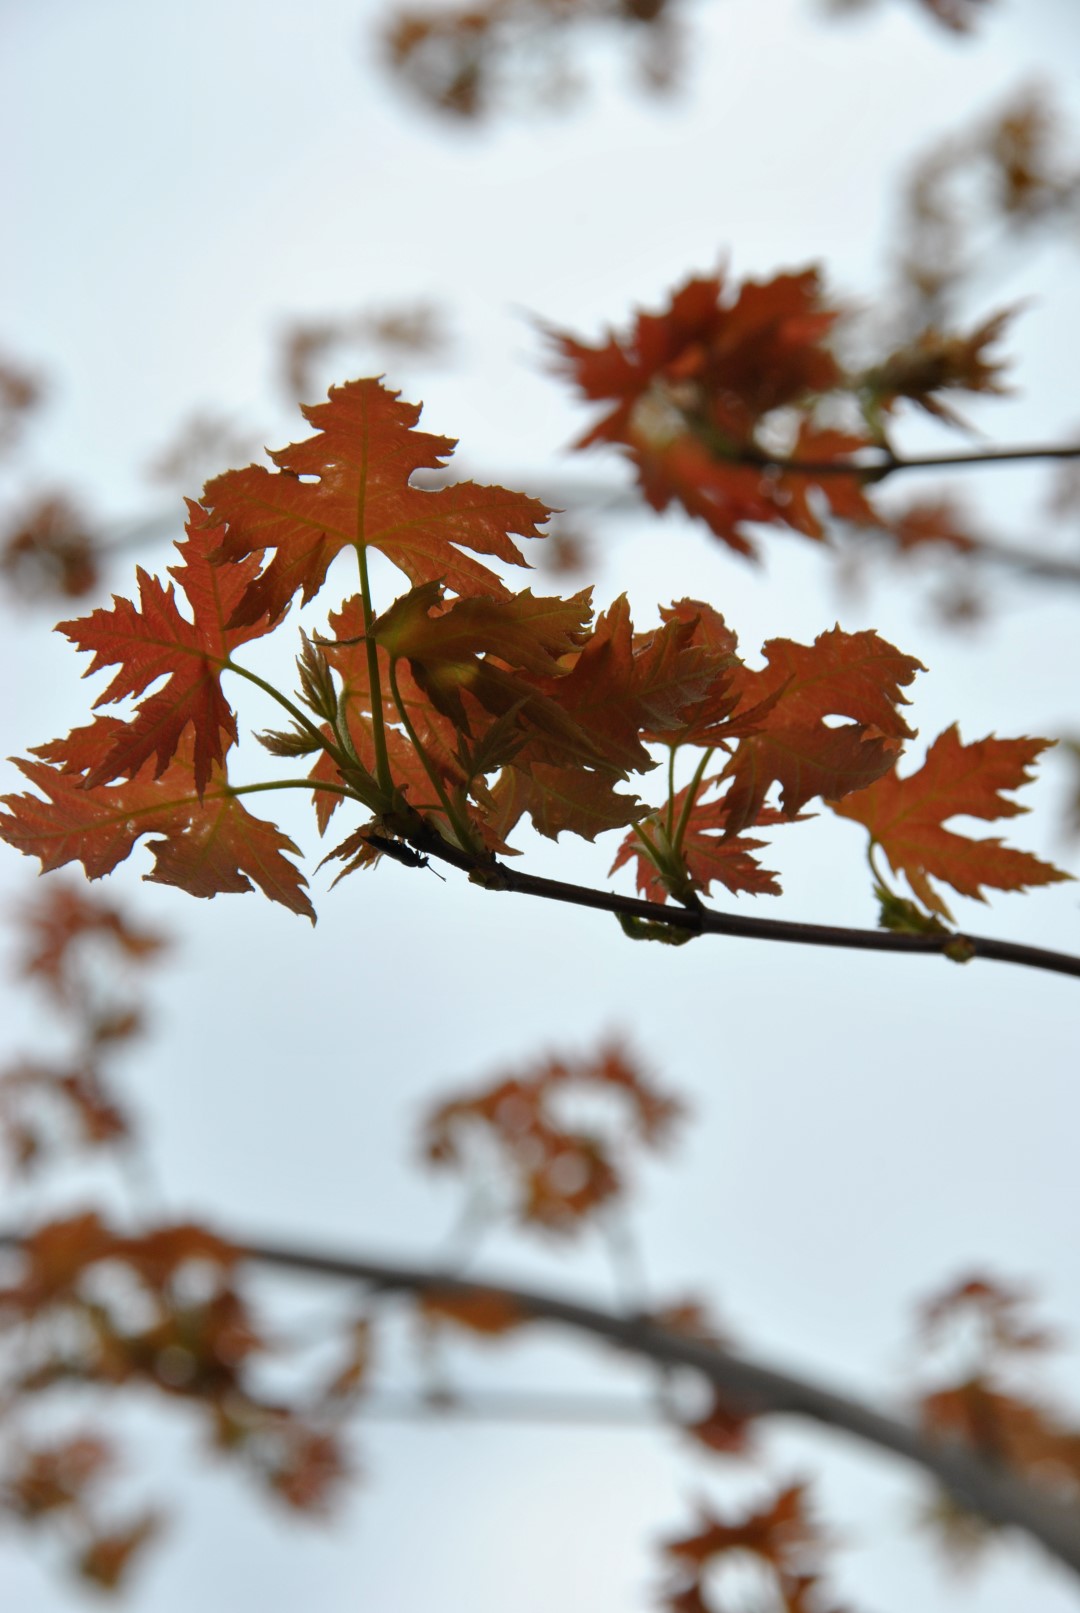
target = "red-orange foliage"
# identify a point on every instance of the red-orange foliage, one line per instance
(462, 707)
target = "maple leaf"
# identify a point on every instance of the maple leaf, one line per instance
(703, 699)
(682, 674)
(934, 363)
(730, 362)
(559, 1174)
(476, 644)
(345, 650)
(781, 1534)
(856, 675)
(478, 1312)
(54, 1257)
(76, 1093)
(523, 631)
(106, 1560)
(205, 847)
(1000, 1312)
(933, 521)
(472, 712)
(1004, 1428)
(310, 1467)
(705, 855)
(693, 384)
(844, 497)
(724, 1428)
(598, 692)
(673, 685)
(51, 548)
(56, 1475)
(906, 817)
(60, 918)
(577, 799)
(153, 640)
(349, 486)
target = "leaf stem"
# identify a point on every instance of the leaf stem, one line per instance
(688, 804)
(651, 851)
(344, 790)
(457, 823)
(378, 730)
(294, 711)
(672, 749)
(875, 870)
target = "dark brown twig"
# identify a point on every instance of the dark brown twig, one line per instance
(494, 875)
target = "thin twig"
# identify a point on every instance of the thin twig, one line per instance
(890, 464)
(494, 875)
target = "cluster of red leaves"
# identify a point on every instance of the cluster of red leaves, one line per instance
(56, 1482)
(470, 59)
(934, 363)
(70, 940)
(50, 549)
(199, 444)
(980, 1331)
(48, 546)
(1008, 175)
(704, 391)
(20, 392)
(159, 1311)
(407, 330)
(464, 707)
(958, 15)
(780, 1537)
(559, 1173)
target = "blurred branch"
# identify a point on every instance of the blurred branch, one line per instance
(752, 1387)
(746, 1387)
(598, 497)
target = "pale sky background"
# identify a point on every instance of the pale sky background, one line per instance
(186, 179)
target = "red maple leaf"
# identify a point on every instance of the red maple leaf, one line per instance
(349, 485)
(706, 853)
(907, 816)
(559, 1173)
(855, 675)
(693, 385)
(152, 640)
(346, 652)
(206, 845)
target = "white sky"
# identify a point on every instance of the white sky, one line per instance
(186, 180)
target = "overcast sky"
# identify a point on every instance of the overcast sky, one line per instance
(188, 179)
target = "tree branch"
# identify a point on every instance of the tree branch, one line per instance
(1004, 1499)
(494, 875)
(890, 464)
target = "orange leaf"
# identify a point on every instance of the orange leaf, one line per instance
(559, 1174)
(708, 854)
(152, 640)
(856, 675)
(108, 1557)
(906, 817)
(350, 485)
(479, 1311)
(205, 847)
(693, 384)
